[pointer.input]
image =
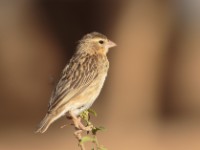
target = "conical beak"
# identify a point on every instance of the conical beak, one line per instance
(111, 44)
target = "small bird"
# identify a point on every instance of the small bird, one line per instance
(81, 81)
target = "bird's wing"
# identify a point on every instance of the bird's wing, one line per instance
(76, 77)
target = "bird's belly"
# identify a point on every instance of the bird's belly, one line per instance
(87, 98)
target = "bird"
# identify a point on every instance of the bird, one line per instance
(81, 81)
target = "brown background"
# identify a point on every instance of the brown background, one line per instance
(151, 99)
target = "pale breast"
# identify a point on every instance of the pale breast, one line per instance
(87, 98)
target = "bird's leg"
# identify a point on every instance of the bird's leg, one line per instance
(78, 124)
(75, 120)
(83, 127)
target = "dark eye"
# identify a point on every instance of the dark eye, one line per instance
(101, 41)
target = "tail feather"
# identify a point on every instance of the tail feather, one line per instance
(45, 123)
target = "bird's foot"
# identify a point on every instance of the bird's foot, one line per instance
(81, 126)
(78, 134)
(86, 128)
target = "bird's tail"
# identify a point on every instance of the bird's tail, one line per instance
(45, 123)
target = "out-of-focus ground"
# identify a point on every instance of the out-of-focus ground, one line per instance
(151, 99)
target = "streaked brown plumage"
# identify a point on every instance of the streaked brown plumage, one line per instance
(81, 80)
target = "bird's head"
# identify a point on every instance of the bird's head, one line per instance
(95, 43)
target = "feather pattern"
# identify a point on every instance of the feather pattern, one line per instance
(81, 80)
(74, 79)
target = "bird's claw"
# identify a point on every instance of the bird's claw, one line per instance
(87, 128)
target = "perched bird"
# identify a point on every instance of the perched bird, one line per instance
(81, 81)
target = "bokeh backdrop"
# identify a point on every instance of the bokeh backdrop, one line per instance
(151, 99)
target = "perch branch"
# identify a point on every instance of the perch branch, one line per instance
(78, 135)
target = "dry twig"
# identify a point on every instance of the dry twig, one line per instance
(89, 128)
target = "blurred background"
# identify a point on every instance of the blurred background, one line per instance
(151, 99)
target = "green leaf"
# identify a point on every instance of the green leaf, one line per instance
(85, 115)
(96, 129)
(102, 148)
(101, 128)
(86, 139)
(92, 111)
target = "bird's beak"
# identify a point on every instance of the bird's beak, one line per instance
(111, 44)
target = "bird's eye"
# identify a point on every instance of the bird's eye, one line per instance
(101, 41)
